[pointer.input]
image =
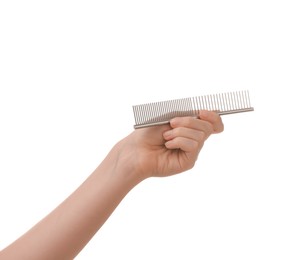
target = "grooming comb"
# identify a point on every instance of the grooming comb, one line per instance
(159, 113)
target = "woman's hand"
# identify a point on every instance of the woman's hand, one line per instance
(168, 149)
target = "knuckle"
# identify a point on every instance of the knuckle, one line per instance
(219, 128)
(191, 165)
(194, 145)
(203, 135)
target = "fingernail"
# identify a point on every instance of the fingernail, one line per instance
(173, 121)
(167, 133)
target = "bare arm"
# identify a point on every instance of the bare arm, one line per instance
(150, 152)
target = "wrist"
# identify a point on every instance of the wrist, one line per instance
(119, 165)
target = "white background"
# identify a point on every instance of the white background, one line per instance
(70, 72)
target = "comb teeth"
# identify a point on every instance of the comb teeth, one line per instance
(158, 113)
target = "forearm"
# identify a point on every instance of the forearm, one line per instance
(68, 228)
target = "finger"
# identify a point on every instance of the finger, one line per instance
(185, 144)
(198, 135)
(213, 118)
(192, 122)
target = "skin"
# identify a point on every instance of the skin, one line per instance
(158, 151)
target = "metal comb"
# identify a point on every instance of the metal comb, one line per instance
(159, 113)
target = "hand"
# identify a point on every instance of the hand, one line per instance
(168, 149)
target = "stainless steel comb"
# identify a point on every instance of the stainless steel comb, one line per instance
(159, 113)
